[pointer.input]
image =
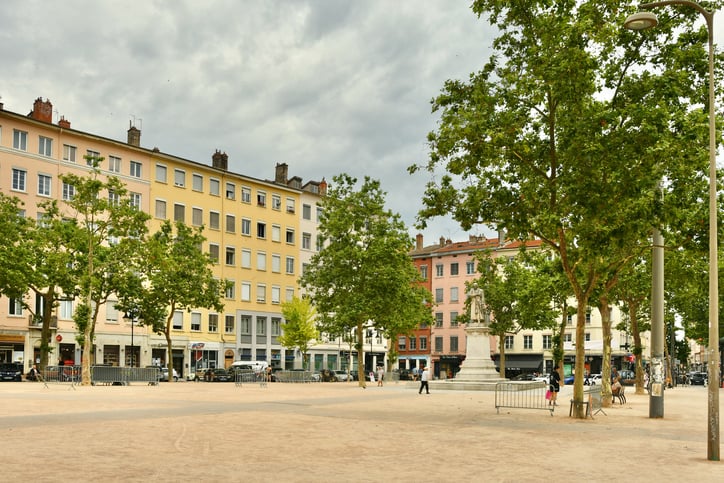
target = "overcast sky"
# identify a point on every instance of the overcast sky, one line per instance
(324, 86)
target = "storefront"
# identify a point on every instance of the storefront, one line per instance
(12, 348)
(448, 366)
(516, 364)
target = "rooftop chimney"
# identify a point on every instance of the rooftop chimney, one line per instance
(323, 188)
(220, 160)
(134, 135)
(64, 123)
(42, 110)
(282, 173)
(418, 241)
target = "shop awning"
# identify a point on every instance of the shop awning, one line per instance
(519, 361)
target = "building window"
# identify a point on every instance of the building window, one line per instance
(261, 230)
(588, 316)
(179, 212)
(276, 294)
(453, 269)
(114, 199)
(68, 191)
(214, 252)
(438, 344)
(547, 342)
(527, 342)
(69, 153)
(438, 295)
(135, 170)
(261, 293)
(276, 233)
(508, 341)
(290, 236)
(245, 258)
(197, 182)
(160, 211)
(290, 205)
(245, 292)
(135, 200)
(306, 241)
(453, 343)
(197, 216)
(19, 177)
(45, 146)
(276, 326)
(402, 343)
(276, 263)
(567, 338)
(15, 307)
(290, 265)
(230, 255)
(453, 319)
(230, 224)
(20, 140)
(290, 294)
(214, 220)
(179, 178)
(161, 173)
(423, 343)
(569, 320)
(245, 324)
(454, 294)
(44, 182)
(276, 202)
(439, 270)
(195, 321)
(438, 319)
(587, 336)
(261, 198)
(245, 194)
(230, 191)
(423, 272)
(261, 326)
(213, 323)
(306, 212)
(413, 343)
(229, 324)
(214, 187)
(178, 320)
(246, 226)
(470, 268)
(230, 290)
(114, 164)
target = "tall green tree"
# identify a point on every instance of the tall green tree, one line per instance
(560, 138)
(106, 231)
(172, 274)
(364, 276)
(300, 329)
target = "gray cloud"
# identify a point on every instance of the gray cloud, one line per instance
(325, 86)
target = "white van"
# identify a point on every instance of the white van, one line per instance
(255, 366)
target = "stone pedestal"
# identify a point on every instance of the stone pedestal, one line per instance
(478, 366)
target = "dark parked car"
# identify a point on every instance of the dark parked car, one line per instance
(568, 380)
(10, 371)
(628, 378)
(524, 377)
(698, 378)
(217, 374)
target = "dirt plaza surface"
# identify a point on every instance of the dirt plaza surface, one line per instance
(338, 432)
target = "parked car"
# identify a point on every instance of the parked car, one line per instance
(593, 379)
(11, 371)
(524, 377)
(569, 379)
(339, 376)
(216, 374)
(543, 377)
(164, 375)
(698, 378)
(628, 377)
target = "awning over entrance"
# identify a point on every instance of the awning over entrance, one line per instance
(520, 361)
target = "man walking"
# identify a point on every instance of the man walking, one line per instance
(423, 381)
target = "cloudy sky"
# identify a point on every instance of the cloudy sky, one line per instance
(324, 86)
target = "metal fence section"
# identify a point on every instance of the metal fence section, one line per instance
(249, 377)
(592, 401)
(62, 375)
(522, 395)
(295, 376)
(123, 376)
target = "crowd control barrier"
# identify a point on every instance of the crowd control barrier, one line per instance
(522, 395)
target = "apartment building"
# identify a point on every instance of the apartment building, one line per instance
(449, 266)
(255, 230)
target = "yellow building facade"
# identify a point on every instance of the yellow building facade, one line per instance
(252, 228)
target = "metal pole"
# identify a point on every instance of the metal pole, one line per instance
(133, 352)
(656, 397)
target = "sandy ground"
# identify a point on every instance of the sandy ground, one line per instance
(339, 432)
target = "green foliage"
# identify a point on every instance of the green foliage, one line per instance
(299, 329)
(364, 275)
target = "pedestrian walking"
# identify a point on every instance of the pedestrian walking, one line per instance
(380, 375)
(555, 387)
(423, 381)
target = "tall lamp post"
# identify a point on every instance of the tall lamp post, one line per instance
(130, 315)
(645, 20)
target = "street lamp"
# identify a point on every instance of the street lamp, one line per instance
(130, 315)
(645, 20)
